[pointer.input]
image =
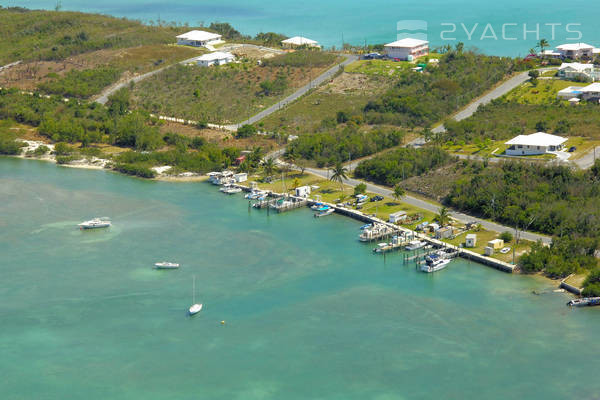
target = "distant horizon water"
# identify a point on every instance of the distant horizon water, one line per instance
(508, 28)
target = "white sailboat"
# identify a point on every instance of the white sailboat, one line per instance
(195, 308)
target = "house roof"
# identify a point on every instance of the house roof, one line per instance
(594, 87)
(537, 139)
(407, 43)
(199, 36)
(575, 46)
(299, 41)
(217, 55)
(596, 51)
(579, 67)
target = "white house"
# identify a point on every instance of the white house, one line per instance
(575, 50)
(198, 38)
(216, 58)
(407, 49)
(578, 71)
(302, 191)
(536, 143)
(591, 92)
(299, 41)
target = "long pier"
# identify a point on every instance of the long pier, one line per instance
(359, 216)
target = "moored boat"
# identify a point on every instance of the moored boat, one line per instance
(434, 263)
(166, 265)
(584, 302)
(95, 223)
(415, 245)
(325, 213)
(195, 308)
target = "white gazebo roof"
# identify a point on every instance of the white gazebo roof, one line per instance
(199, 36)
(217, 55)
(537, 139)
(407, 43)
(575, 46)
(299, 41)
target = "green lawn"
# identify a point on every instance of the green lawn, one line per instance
(379, 67)
(347, 92)
(543, 93)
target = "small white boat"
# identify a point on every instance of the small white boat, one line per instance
(95, 223)
(415, 245)
(325, 213)
(195, 308)
(232, 190)
(166, 265)
(381, 247)
(434, 263)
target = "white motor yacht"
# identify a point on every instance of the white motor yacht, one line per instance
(95, 223)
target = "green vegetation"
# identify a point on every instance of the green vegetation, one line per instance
(539, 92)
(55, 35)
(344, 143)
(379, 67)
(8, 145)
(424, 98)
(82, 84)
(501, 120)
(302, 58)
(397, 165)
(222, 94)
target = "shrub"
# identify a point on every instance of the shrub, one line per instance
(506, 236)
(246, 131)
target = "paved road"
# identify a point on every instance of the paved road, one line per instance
(112, 89)
(588, 159)
(464, 218)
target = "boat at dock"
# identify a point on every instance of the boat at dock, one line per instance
(166, 265)
(95, 223)
(416, 245)
(584, 302)
(434, 262)
(377, 231)
(325, 213)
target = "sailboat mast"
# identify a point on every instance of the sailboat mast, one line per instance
(194, 290)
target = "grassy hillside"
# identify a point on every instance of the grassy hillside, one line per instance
(55, 35)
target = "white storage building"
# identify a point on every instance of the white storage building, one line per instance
(397, 217)
(536, 143)
(198, 38)
(407, 49)
(299, 41)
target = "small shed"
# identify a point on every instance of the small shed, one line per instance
(240, 160)
(398, 216)
(241, 177)
(444, 233)
(488, 251)
(302, 191)
(433, 227)
(496, 244)
(471, 240)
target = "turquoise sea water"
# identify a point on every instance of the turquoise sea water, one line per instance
(375, 21)
(310, 312)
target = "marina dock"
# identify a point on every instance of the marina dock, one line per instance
(387, 230)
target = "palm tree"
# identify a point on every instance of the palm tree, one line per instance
(542, 44)
(268, 167)
(338, 174)
(442, 216)
(399, 192)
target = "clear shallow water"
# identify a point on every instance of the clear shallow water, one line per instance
(375, 21)
(310, 312)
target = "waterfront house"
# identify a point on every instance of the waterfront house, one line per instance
(471, 240)
(299, 41)
(591, 92)
(578, 71)
(407, 49)
(216, 58)
(536, 143)
(397, 217)
(575, 50)
(198, 38)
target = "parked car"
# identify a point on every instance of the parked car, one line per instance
(572, 149)
(505, 250)
(376, 198)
